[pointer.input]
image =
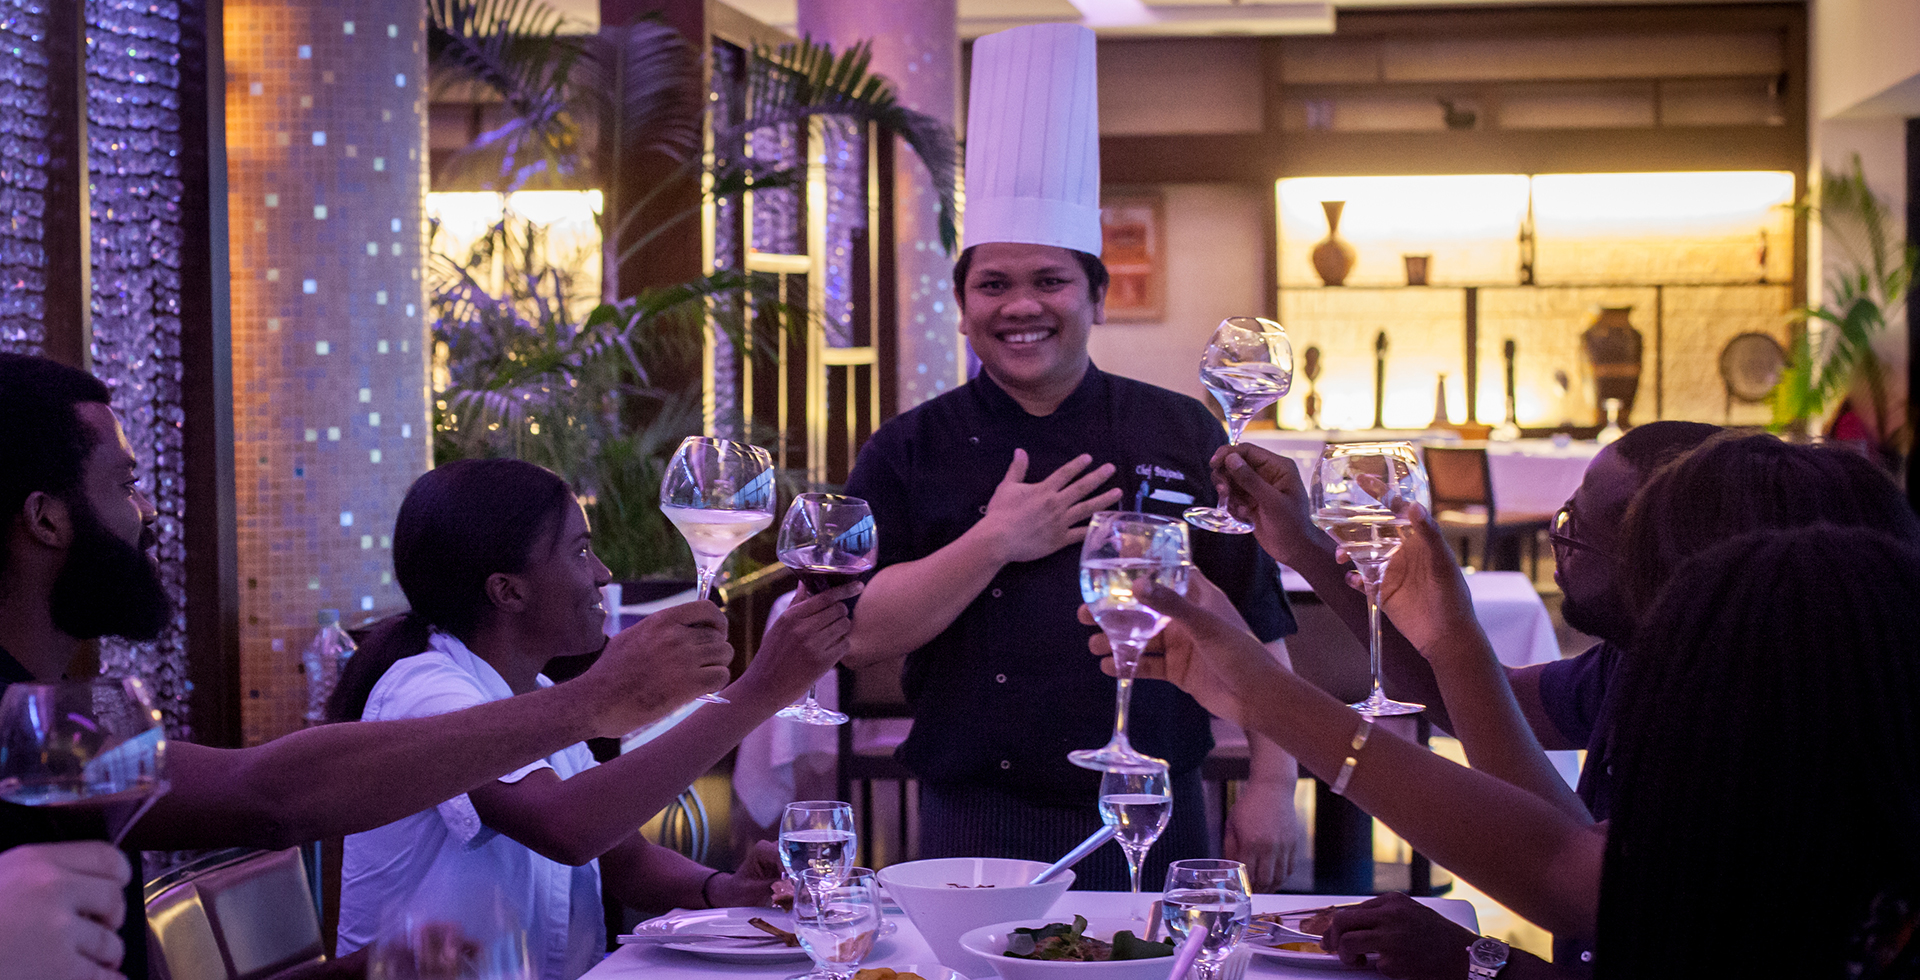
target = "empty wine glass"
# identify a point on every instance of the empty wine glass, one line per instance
(718, 493)
(1248, 366)
(828, 540)
(1356, 493)
(817, 836)
(1138, 802)
(837, 918)
(1208, 897)
(93, 752)
(1121, 548)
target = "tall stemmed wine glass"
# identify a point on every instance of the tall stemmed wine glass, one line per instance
(1210, 898)
(93, 752)
(718, 493)
(1122, 548)
(1356, 491)
(1248, 366)
(827, 539)
(1138, 803)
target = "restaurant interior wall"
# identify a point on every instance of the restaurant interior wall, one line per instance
(1570, 90)
(326, 129)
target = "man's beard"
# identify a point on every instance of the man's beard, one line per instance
(109, 587)
(1601, 618)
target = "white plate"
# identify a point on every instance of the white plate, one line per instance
(1320, 961)
(734, 922)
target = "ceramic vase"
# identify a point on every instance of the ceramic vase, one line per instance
(1333, 258)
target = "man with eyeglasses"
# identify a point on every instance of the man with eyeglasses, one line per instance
(1564, 702)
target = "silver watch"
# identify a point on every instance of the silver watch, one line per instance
(1486, 958)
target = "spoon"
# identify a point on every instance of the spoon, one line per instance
(1073, 857)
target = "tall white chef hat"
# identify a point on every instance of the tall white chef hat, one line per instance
(1033, 139)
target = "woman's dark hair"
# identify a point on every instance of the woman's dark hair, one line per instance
(1734, 484)
(459, 524)
(1770, 759)
(1090, 264)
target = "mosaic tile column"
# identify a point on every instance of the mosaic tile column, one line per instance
(917, 47)
(326, 143)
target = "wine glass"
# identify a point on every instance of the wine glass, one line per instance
(828, 540)
(817, 836)
(718, 493)
(1356, 490)
(1248, 366)
(837, 918)
(1123, 547)
(1209, 897)
(463, 929)
(1138, 803)
(92, 751)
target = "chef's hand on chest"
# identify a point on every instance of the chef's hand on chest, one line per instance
(1031, 516)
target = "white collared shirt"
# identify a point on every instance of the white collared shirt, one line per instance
(434, 859)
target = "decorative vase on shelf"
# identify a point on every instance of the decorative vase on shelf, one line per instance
(1333, 258)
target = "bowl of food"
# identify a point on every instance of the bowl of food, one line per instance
(1069, 947)
(945, 897)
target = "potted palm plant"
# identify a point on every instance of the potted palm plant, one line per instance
(1837, 368)
(532, 365)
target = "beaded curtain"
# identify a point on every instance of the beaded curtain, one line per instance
(133, 144)
(133, 151)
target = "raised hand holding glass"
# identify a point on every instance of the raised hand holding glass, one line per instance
(1248, 366)
(828, 540)
(1121, 550)
(718, 493)
(1356, 493)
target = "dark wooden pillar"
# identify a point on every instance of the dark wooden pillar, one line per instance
(206, 354)
(1913, 301)
(69, 269)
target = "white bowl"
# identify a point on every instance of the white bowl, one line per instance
(926, 892)
(989, 942)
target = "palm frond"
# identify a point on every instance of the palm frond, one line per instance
(643, 80)
(516, 50)
(798, 81)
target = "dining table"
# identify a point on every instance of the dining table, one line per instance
(1529, 476)
(905, 947)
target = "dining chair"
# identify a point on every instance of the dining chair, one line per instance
(235, 914)
(1461, 480)
(871, 698)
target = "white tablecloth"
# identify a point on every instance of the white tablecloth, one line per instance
(906, 947)
(1530, 476)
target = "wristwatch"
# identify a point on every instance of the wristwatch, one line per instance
(1486, 958)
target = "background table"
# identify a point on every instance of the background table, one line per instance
(1530, 476)
(906, 946)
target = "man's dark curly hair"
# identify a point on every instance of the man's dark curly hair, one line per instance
(43, 443)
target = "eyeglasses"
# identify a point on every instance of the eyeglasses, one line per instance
(1561, 532)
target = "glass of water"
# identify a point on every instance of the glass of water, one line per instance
(817, 836)
(1208, 897)
(1138, 803)
(837, 918)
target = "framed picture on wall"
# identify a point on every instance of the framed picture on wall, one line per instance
(1133, 232)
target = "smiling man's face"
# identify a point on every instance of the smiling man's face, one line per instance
(1027, 312)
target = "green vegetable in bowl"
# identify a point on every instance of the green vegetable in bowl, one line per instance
(1060, 941)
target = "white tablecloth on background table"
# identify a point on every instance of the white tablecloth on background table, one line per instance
(906, 947)
(1530, 476)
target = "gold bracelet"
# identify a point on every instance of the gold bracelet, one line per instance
(1360, 736)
